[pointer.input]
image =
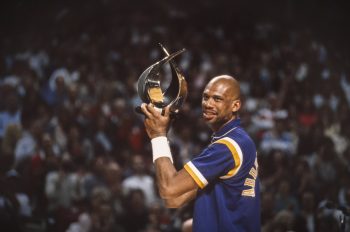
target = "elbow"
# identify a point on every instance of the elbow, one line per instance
(172, 204)
(166, 192)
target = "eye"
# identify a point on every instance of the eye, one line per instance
(205, 97)
(217, 99)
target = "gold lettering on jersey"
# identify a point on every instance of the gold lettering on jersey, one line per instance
(253, 173)
(250, 182)
(248, 192)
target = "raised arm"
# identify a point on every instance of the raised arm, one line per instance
(176, 187)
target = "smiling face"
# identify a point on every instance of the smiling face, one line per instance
(220, 101)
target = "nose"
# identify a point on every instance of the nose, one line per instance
(207, 103)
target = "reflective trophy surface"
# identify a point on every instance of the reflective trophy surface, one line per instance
(150, 90)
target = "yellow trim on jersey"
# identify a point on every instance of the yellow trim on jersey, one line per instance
(235, 155)
(193, 175)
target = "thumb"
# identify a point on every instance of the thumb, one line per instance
(166, 111)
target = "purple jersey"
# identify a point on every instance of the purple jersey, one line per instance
(227, 174)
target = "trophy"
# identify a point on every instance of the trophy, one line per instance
(150, 90)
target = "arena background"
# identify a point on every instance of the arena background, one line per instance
(74, 156)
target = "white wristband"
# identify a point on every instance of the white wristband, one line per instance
(161, 148)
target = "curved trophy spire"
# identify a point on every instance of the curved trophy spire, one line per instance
(149, 87)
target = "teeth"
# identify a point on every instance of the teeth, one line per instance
(209, 114)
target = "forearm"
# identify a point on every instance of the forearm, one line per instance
(165, 174)
(171, 183)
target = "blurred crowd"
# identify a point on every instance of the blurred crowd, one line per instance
(74, 156)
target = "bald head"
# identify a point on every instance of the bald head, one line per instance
(230, 83)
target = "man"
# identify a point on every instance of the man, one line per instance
(139, 179)
(223, 178)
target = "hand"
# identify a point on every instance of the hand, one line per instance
(156, 124)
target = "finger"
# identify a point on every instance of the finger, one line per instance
(144, 109)
(166, 111)
(153, 110)
(138, 110)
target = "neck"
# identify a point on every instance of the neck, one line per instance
(216, 128)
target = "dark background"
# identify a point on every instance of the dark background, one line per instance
(264, 44)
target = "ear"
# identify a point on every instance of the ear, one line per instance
(236, 105)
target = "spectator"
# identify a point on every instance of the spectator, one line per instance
(284, 198)
(139, 179)
(26, 146)
(135, 217)
(11, 114)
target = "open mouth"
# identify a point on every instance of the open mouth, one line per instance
(207, 115)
